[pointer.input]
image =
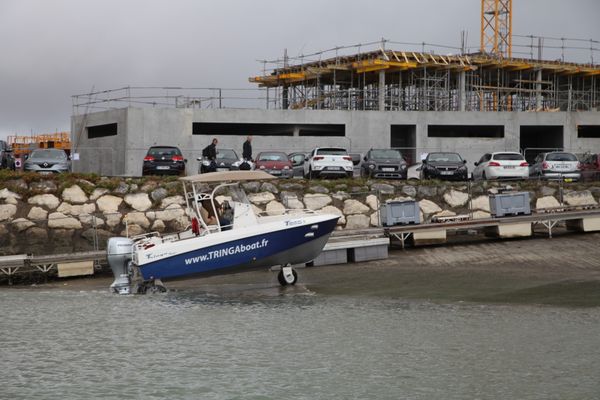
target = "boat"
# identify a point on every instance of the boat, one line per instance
(239, 239)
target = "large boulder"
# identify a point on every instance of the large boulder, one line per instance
(137, 218)
(74, 195)
(113, 219)
(21, 224)
(157, 194)
(132, 230)
(352, 207)
(97, 193)
(335, 211)
(318, 189)
(275, 208)
(481, 203)
(167, 201)
(481, 214)
(383, 188)
(375, 219)
(7, 194)
(340, 195)
(37, 214)
(429, 207)
(269, 187)
(91, 220)
(454, 198)
(582, 198)
(59, 220)
(409, 190)
(290, 200)
(373, 202)
(48, 201)
(357, 221)
(138, 201)
(7, 211)
(171, 213)
(316, 201)
(261, 198)
(43, 186)
(67, 208)
(109, 203)
(547, 202)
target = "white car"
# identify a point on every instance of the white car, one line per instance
(328, 162)
(501, 165)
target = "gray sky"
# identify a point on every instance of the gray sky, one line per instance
(52, 49)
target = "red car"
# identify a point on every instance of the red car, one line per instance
(275, 163)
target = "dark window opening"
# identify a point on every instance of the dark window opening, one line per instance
(257, 129)
(588, 131)
(404, 138)
(535, 139)
(101, 131)
(465, 131)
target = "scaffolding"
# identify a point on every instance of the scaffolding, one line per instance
(23, 145)
(396, 80)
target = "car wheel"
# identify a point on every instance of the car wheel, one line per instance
(483, 177)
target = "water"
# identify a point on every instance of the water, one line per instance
(71, 344)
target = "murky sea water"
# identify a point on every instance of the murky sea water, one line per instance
(296, 345)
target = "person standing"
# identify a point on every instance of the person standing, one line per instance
(210, 154)
(247, 149)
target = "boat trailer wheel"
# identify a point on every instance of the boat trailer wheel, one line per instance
(287, 276)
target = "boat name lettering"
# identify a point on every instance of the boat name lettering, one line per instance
(154, 256)
(294, 222)
(227, 251)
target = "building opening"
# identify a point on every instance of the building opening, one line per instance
(535, 139)
(404, 138)
(588, 131)
(258, 129)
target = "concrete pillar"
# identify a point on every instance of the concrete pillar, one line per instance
(538, 90)
(382, 90)
(462, 91)
(284, 98)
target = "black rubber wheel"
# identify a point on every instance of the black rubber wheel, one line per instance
(483, 177)
(282, 280)
(312, 174)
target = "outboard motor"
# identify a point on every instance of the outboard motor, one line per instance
(118, 253)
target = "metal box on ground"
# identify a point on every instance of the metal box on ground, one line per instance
(512, 203)
(400, 213)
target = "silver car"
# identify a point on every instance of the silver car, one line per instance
(556, 165)
(48, 161)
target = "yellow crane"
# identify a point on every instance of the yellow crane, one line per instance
(496, 28)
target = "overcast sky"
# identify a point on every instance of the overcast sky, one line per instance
(52, 49)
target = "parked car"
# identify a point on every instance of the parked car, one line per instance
(275, 163)
(164, 160)
(556, 165)
(297, 160)
(444, 165)
(6, 156)
(47, 161)
(328, 162)
(383, 163)
(590, 167)
(227, 160)
(501, 165)
(414, 171)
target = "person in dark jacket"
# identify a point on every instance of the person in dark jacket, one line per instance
(247, 149)
(210, 151)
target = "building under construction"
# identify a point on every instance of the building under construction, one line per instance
(504, 96)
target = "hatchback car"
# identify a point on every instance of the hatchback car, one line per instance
(501, 165)
(227, 160)
(275, 163)
(444, 165)
(328, 162)
(297, 160)
(47, 161)
(556, 165)
(164, 160)
(383, 163)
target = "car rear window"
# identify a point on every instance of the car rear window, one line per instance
(164, 151)
(508, 157)
(389, 154)
(560, 157)
(332, 151)
(444, 157)
(272, 157)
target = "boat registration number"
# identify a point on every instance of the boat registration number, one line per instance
(387, 169)
(163, 167)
